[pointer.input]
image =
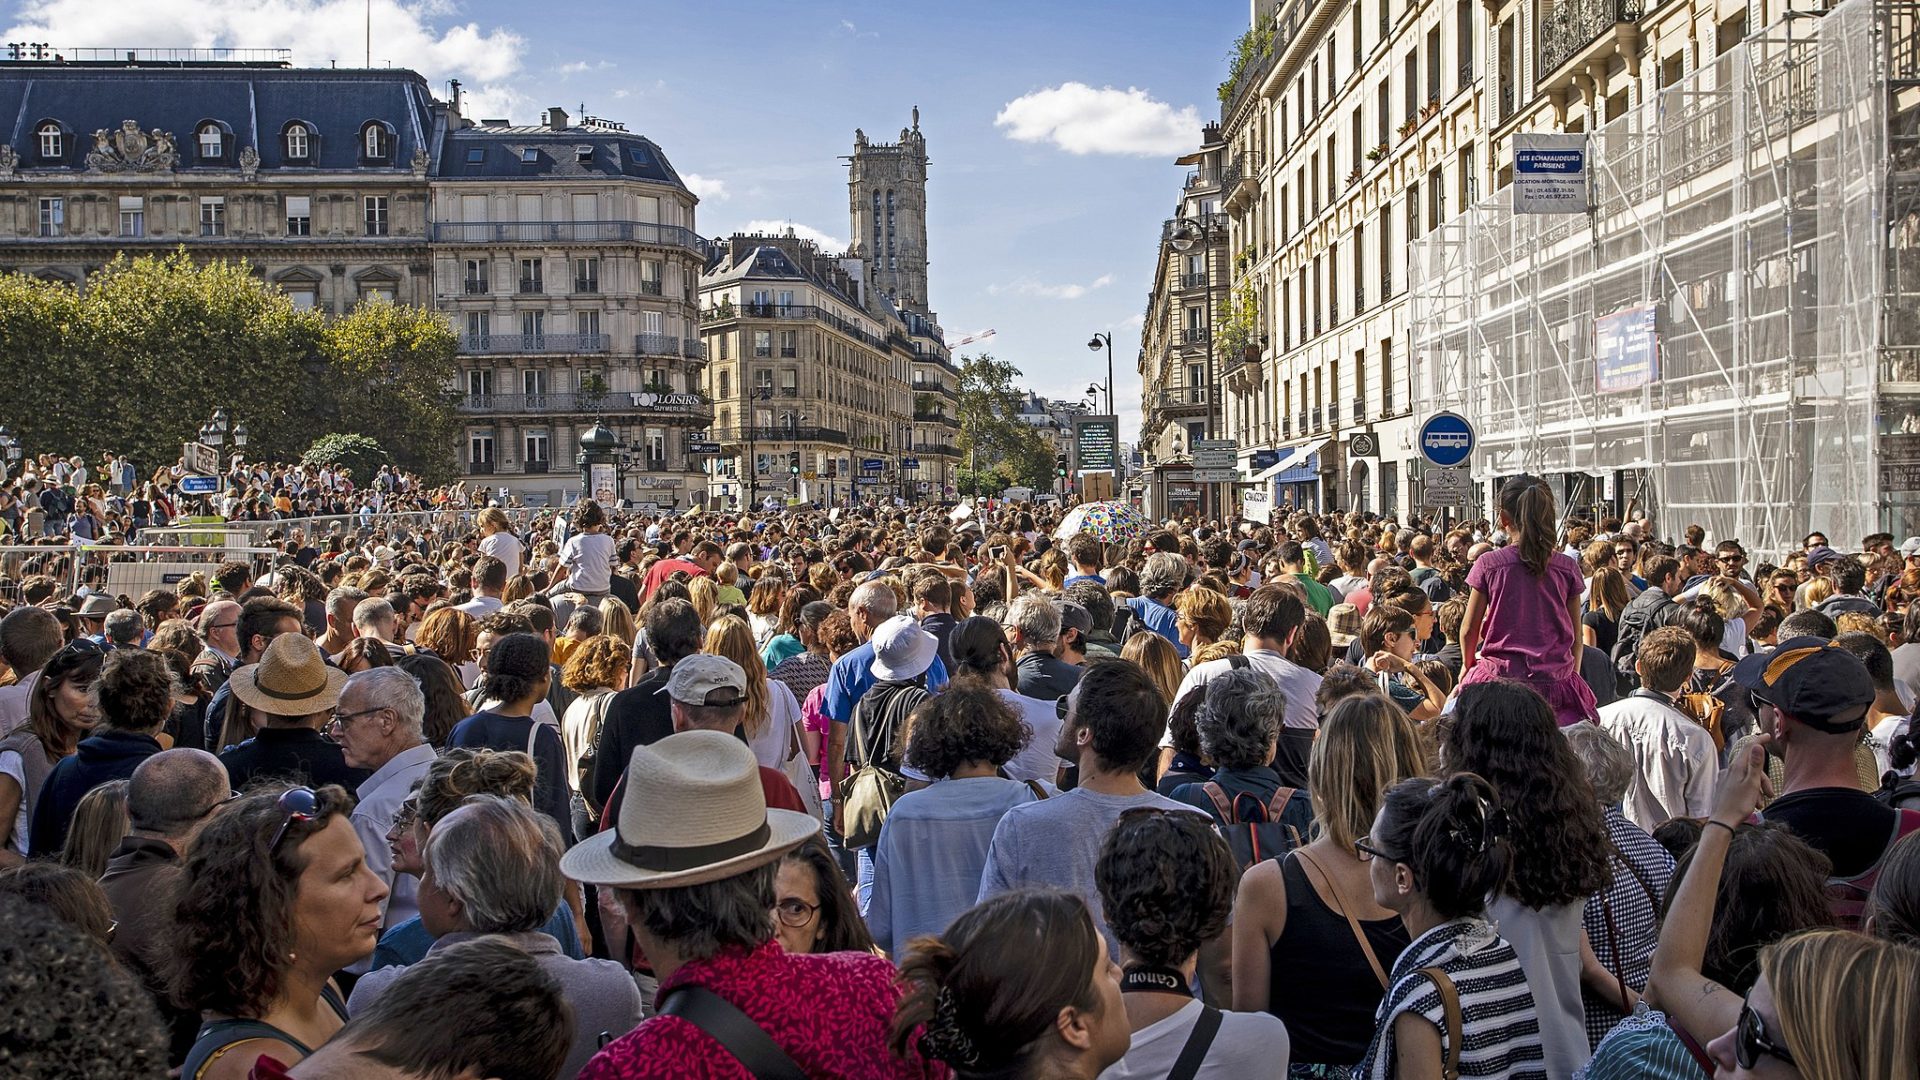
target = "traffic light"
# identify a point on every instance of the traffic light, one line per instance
(1060, 465)
(793, 463)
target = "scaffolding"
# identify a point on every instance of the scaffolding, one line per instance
(1729, 337)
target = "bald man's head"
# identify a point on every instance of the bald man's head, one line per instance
(173, 792)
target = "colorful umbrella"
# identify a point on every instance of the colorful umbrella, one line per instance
(1108, 522)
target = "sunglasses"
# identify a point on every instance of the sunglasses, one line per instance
(1060, 707)
(1750, 1040)
(298, 804)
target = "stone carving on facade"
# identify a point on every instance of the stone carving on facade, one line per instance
(249, 163)
(131, 150)
(9, 162)
(420, 162)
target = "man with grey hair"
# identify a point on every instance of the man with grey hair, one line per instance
(1239, 725)
(1033, 624)
(1164, 574)
(124, 629)
(169, 797)
(220, 628)
(377, 724)
(342, 602)
(493, 870)
(374, 617)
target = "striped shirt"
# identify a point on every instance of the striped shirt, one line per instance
(1642, 1047)
(1501, 1033)
(1623, 919)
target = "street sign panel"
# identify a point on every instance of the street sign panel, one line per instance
(909, 462)
(872, 464)
(1216, 444)
(703, 447)
(1213, 459)
(1446, 440)
(200, 458)
(199, 485)
(1445, 487)
(1215, 476)
(1096, 438)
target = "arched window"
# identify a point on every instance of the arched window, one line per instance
(212, 141)
(299, 146)
(52, 143)
(376, 142)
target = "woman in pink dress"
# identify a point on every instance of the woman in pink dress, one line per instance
(1523, 616)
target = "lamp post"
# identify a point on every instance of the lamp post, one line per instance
(794, 420)
(222, 433)
(752, 463)
(10, 449)
(1188, 233)
(1095, 343)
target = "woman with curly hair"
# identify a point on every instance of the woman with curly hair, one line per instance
(927, 866)
(1506, 733)
(1201, 616)
(274, 898)
(595, 671)
(451, 780)
(1166, 883)
(1018, 988)
(517, 677)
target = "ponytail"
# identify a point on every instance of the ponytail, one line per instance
(1528, 504)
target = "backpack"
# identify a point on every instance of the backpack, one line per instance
(1899, 792)
(1254, 833)
(1708, 711)
(1847, 896)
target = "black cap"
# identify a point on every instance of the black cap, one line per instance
(1812, 680)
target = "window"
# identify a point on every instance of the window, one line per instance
(213, 215)
(586, 275)
(726, 346)
(376, 144)
(476, 279)
(1463, 42)
(133, 215)
(479, 329)
(212, 141)
(299, 146)
(377, 292)
(531, 276)
(52, 144)
(587, 325)
(375, 212)
(303, 297)
(650, 277)
(1411, 75)
(480, 384)
(789, 383)
(529, 156)
(299, 215)
(1433, 64)
(537, 448)
(726, 388)
(1382, 111)
(533, 327)
(477, 156)
(1436, 197)
(480, 451)
(53, 217)
(763, 343)
(789, 343)
(1413, 212)
(583, 154)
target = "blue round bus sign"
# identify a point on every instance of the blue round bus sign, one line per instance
(1446, 440)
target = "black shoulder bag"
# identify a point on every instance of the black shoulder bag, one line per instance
(734, 1030)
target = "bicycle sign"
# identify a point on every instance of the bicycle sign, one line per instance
(1446, 440)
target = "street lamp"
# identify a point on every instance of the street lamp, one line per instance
(794, 420)
(762, 393)
(1095, 344)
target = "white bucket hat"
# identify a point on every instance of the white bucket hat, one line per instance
(901, 650)
(694, 812)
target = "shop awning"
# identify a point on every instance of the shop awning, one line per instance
(1291, 459)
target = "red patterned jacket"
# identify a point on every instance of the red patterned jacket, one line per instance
(830, 1012)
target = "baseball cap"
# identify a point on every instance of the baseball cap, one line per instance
(1074, 617)
(1910, 546)
(1812, 680)
(1821, 556)
(696, 679)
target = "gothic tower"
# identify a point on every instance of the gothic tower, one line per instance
(887, 204)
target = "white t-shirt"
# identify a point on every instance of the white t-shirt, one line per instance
(12, 764)
(506, 547)
(1247, 1046)
(771, 746)
(1038, 760)
(1297, 683)
(588, 558)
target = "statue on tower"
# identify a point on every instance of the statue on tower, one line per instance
(916, 118)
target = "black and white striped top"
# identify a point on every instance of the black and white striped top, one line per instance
(1498, 1019)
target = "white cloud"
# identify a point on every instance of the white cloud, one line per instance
(405, 34)
(581, 67)
(1030, 287)
(710, 188)
(805, 232)
(1133, 322)
(1082, 120)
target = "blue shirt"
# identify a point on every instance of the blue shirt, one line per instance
(1078, 578)
(926, 868)
(1158, 618)
(492, 731)
(408, 942)
(852, 676)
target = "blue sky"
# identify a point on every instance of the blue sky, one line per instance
(1051, 125)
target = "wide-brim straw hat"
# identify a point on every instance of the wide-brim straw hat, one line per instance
(291, 679)
(694, 812)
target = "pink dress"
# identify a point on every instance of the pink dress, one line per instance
(1527, 634)
(814, 718)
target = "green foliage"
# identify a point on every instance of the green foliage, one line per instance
(989, 407)
(139, 359)
(1249, 49)
(360, 456)
(1242, 319)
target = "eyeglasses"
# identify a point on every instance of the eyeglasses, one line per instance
(231, 796)
(339, 721)
(298, 804)
(1364, 850)
(405, 816)
(795, 912)
(223, 625)
(1750, 1040)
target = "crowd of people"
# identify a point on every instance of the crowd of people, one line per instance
(947, 791)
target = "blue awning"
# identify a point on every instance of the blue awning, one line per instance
(1296, 459)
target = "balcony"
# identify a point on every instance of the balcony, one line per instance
(480, 468)
(1572, 25)
(1204, 177)
(498, 344)
(933, 416)
(534, 465)
(586, 286)
(565, 232)
(650, 402)
(649, 288)
(936, 449)
(693, 349)
(1193, 281)
(782, 433)
(656, 345)
(1193, 335)
(1360, 410)
(1240, 180)
(1181, 401)
(475, 288)
(790, 391)
(531, 285)
(798, 312)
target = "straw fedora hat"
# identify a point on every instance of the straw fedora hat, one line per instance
(694, 812)
(291, 679)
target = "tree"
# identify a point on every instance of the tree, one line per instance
(390, 369)
(989, 414)
(360, 456)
